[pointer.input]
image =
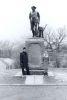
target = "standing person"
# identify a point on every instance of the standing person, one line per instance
(34, 17)
(24, 62)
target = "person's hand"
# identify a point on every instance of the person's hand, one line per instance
(21, 64)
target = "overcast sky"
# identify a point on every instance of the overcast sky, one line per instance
(14, 14)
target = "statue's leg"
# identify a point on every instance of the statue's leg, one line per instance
(36, 30)
(42, 35)
(33, 32)
(39, 33)
(32, 28)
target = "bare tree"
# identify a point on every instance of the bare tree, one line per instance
(55, 39)
(60, 37)
(6, 48)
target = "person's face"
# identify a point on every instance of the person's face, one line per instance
(24, 50)
(33, 9)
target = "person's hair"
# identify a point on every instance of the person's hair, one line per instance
(24, 48)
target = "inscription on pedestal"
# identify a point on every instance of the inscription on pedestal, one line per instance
(35, 55)
(35, 49)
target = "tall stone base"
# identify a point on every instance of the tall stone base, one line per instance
(35, 48)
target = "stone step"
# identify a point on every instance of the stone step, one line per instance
(33, 72)
(38, 72)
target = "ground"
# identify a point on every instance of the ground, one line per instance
(33, 92)
(13, 86)
(51, 87)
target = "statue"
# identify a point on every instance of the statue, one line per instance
(34, 17)
(41, 30)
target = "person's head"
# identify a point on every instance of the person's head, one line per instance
(33, 8)
(24, 49)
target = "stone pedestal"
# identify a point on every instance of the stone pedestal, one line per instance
(35, 48)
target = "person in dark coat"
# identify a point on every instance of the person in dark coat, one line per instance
(34, 17)
(24, 62)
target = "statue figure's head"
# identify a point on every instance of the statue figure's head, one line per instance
(33, 8)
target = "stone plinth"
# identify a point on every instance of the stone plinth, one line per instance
(35, 49)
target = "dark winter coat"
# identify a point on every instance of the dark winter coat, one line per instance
(24, 59)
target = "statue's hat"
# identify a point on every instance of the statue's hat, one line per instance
(24, 47)
(33, 7)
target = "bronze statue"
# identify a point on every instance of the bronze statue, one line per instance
(34, 17)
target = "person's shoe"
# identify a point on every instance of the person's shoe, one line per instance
(45, 73)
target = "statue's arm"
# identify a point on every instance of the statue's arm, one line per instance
(30, 16)
(38, 15)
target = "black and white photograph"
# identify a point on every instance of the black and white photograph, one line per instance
(33, 49)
